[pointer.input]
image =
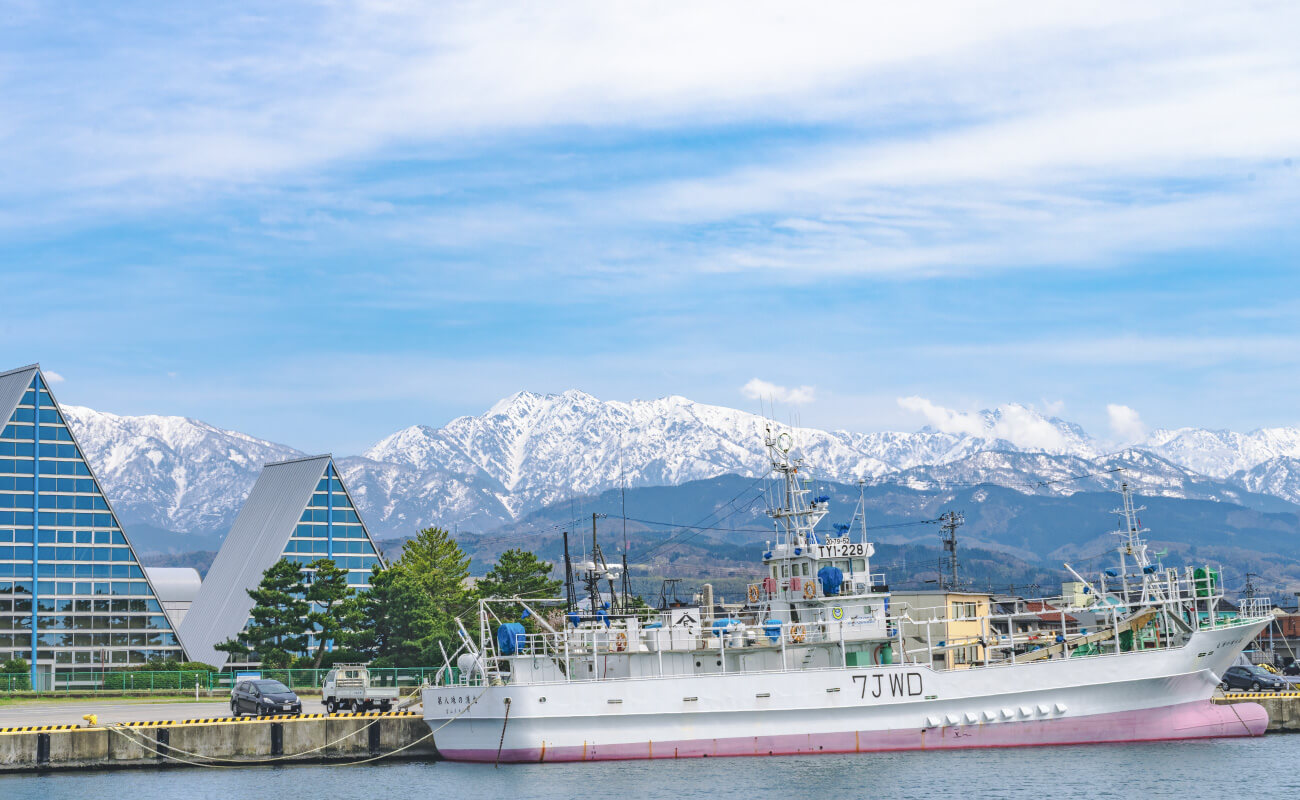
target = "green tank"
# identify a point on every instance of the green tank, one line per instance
(1205, 580)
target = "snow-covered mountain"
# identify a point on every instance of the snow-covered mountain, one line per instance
(1279, 477)
(1221, 453)
(173, 473)
(531, 450)
(542, 448)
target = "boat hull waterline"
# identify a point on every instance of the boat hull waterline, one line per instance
(1189, 721)
(1128, 697)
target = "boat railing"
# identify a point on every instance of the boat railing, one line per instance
(1255, 607)
(1157, 614)
(852, 585)
(730, 635)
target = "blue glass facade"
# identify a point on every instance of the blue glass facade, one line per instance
(330, 527)
(72, 593)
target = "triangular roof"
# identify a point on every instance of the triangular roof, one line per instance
(12, 385)
(256, 540)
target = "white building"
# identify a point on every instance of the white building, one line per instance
(176, 588)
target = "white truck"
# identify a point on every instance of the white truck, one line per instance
(347, 687)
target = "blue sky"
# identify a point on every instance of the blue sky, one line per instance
(325, 221)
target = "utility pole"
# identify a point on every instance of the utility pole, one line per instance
(950, 521)
(1249, 591)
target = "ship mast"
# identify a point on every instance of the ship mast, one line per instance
(1133, 546)
(797, 516)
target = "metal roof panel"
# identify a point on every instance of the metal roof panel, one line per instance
(258, 537)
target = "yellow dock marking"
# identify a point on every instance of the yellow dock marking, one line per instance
(167, 723)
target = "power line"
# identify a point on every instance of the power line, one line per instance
(678, 538)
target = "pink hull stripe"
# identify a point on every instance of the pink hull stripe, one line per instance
(1186, 721)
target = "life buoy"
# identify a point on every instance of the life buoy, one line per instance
(798, 633)
(620, 641)
(810, 589)
(753, 593)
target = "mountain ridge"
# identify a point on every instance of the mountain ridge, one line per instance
(530, 450)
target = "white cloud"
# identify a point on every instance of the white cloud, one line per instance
(1020, 425)
(963, 136)
(1125, 423)
(354, 77)
(758, 389)
(52, 377)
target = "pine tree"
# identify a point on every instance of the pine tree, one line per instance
(519, 573)
(438, 562)
(408, 615)
(328, 594)
(399, 624)
(278, 630)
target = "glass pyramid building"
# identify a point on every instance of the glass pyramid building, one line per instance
(73, 595)
(298, 510)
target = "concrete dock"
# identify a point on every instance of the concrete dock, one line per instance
(217, 741)
(109, 711)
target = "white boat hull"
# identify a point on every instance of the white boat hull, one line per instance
(1149, 695)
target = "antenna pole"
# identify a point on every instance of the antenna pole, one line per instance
(627, 583)
(862, 502)
(570, 598)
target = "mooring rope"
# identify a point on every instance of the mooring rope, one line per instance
(502, 743)
(119, 730)
(373, 720)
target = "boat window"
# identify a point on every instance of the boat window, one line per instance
(785, 571)
(859, 565)
(774, 575)
(805, 568)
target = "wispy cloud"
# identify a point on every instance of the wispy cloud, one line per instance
(1125, 424)
(913, 190)
(758, 389)
(1133, 350)
(1018, 424)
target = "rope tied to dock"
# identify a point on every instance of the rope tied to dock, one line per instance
(230, 764)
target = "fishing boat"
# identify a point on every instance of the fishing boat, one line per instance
(823, 658)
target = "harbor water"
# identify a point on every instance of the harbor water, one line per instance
(1194, 769)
